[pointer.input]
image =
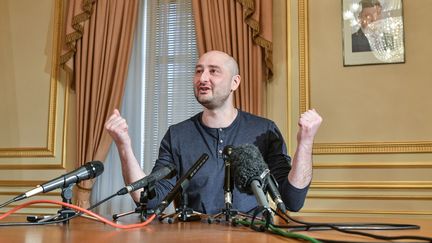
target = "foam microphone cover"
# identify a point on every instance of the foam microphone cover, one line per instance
(247, 164)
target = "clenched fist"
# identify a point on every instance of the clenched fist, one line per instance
(117, 128)
(309, 123)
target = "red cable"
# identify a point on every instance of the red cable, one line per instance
(130, 226)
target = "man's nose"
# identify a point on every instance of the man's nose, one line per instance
(204, 76)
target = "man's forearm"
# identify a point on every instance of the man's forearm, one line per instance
(131, 169)
(300, 174)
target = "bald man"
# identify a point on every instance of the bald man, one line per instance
(218, 125)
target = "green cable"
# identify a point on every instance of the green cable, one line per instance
(281, 232)
(293, 235)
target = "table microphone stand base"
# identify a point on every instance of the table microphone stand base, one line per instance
(64, 213)
(142, 206)
(227, 214)
(182, 213)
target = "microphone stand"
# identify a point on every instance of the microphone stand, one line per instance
(183, 212)
(66, 212)
(228, 211)
(63, 213)
(141, 209)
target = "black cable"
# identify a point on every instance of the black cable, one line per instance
(348, 226)
(345, 241)
(375, 236)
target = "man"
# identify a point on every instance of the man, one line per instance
(371, 11)
(221, 124)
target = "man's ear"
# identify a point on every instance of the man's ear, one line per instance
(235, 82)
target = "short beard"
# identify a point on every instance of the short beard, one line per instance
(212, 104)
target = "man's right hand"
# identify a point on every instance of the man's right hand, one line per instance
(117, 128)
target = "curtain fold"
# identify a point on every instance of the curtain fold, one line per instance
(243, 29)
(101, 48)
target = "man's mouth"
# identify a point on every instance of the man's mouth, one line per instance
(203, 89)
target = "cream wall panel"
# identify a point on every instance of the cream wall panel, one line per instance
(374, 176)
(33, 142)
(21, 70)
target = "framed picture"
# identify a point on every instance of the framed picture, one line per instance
(372, 32)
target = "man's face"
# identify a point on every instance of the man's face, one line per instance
(213, 80)
(369, 15)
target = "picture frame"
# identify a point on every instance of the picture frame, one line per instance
(372, 32)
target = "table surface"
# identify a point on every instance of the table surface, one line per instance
(86, 230)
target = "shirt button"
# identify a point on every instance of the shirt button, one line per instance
(221, 141)
(220, 151)
(220, 129)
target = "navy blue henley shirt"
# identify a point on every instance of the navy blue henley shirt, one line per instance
(186, 141)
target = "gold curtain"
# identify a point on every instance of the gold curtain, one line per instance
(243, 29)
(97, 51)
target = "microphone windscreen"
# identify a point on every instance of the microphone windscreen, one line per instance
(248, 164)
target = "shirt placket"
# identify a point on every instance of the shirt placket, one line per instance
(220, 142)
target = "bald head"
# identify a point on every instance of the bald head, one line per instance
(229, 61)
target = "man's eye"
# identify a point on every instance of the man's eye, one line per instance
(198, 71)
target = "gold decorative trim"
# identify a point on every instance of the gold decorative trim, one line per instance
(373, 147)
(372, 184)
(65, 122)
(323, 211)
(303, 39)
(26, 152)
(289, 72)
(369, 197)
(387, 165)
(304, 99)
(19, 183)
(33, 166)
(18, 193)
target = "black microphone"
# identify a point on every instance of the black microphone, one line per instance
(249, 172)
(181, 184)
(228, 185)
(167, 171)
(272, 189)
(249, 166)
(88, 171)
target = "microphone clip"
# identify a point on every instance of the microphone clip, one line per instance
(63, 213)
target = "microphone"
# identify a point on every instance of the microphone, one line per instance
(181, 184)
(228, 185)
(167, 171)
(88, 171)
(272, 188)
(249, 172)
(252, 174)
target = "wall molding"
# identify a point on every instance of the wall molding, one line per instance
(359, 212)
(371, 185)
(304, 99)
(375, 165)
(370, 197)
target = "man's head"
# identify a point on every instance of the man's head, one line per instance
(371, 11)
(216, 77)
